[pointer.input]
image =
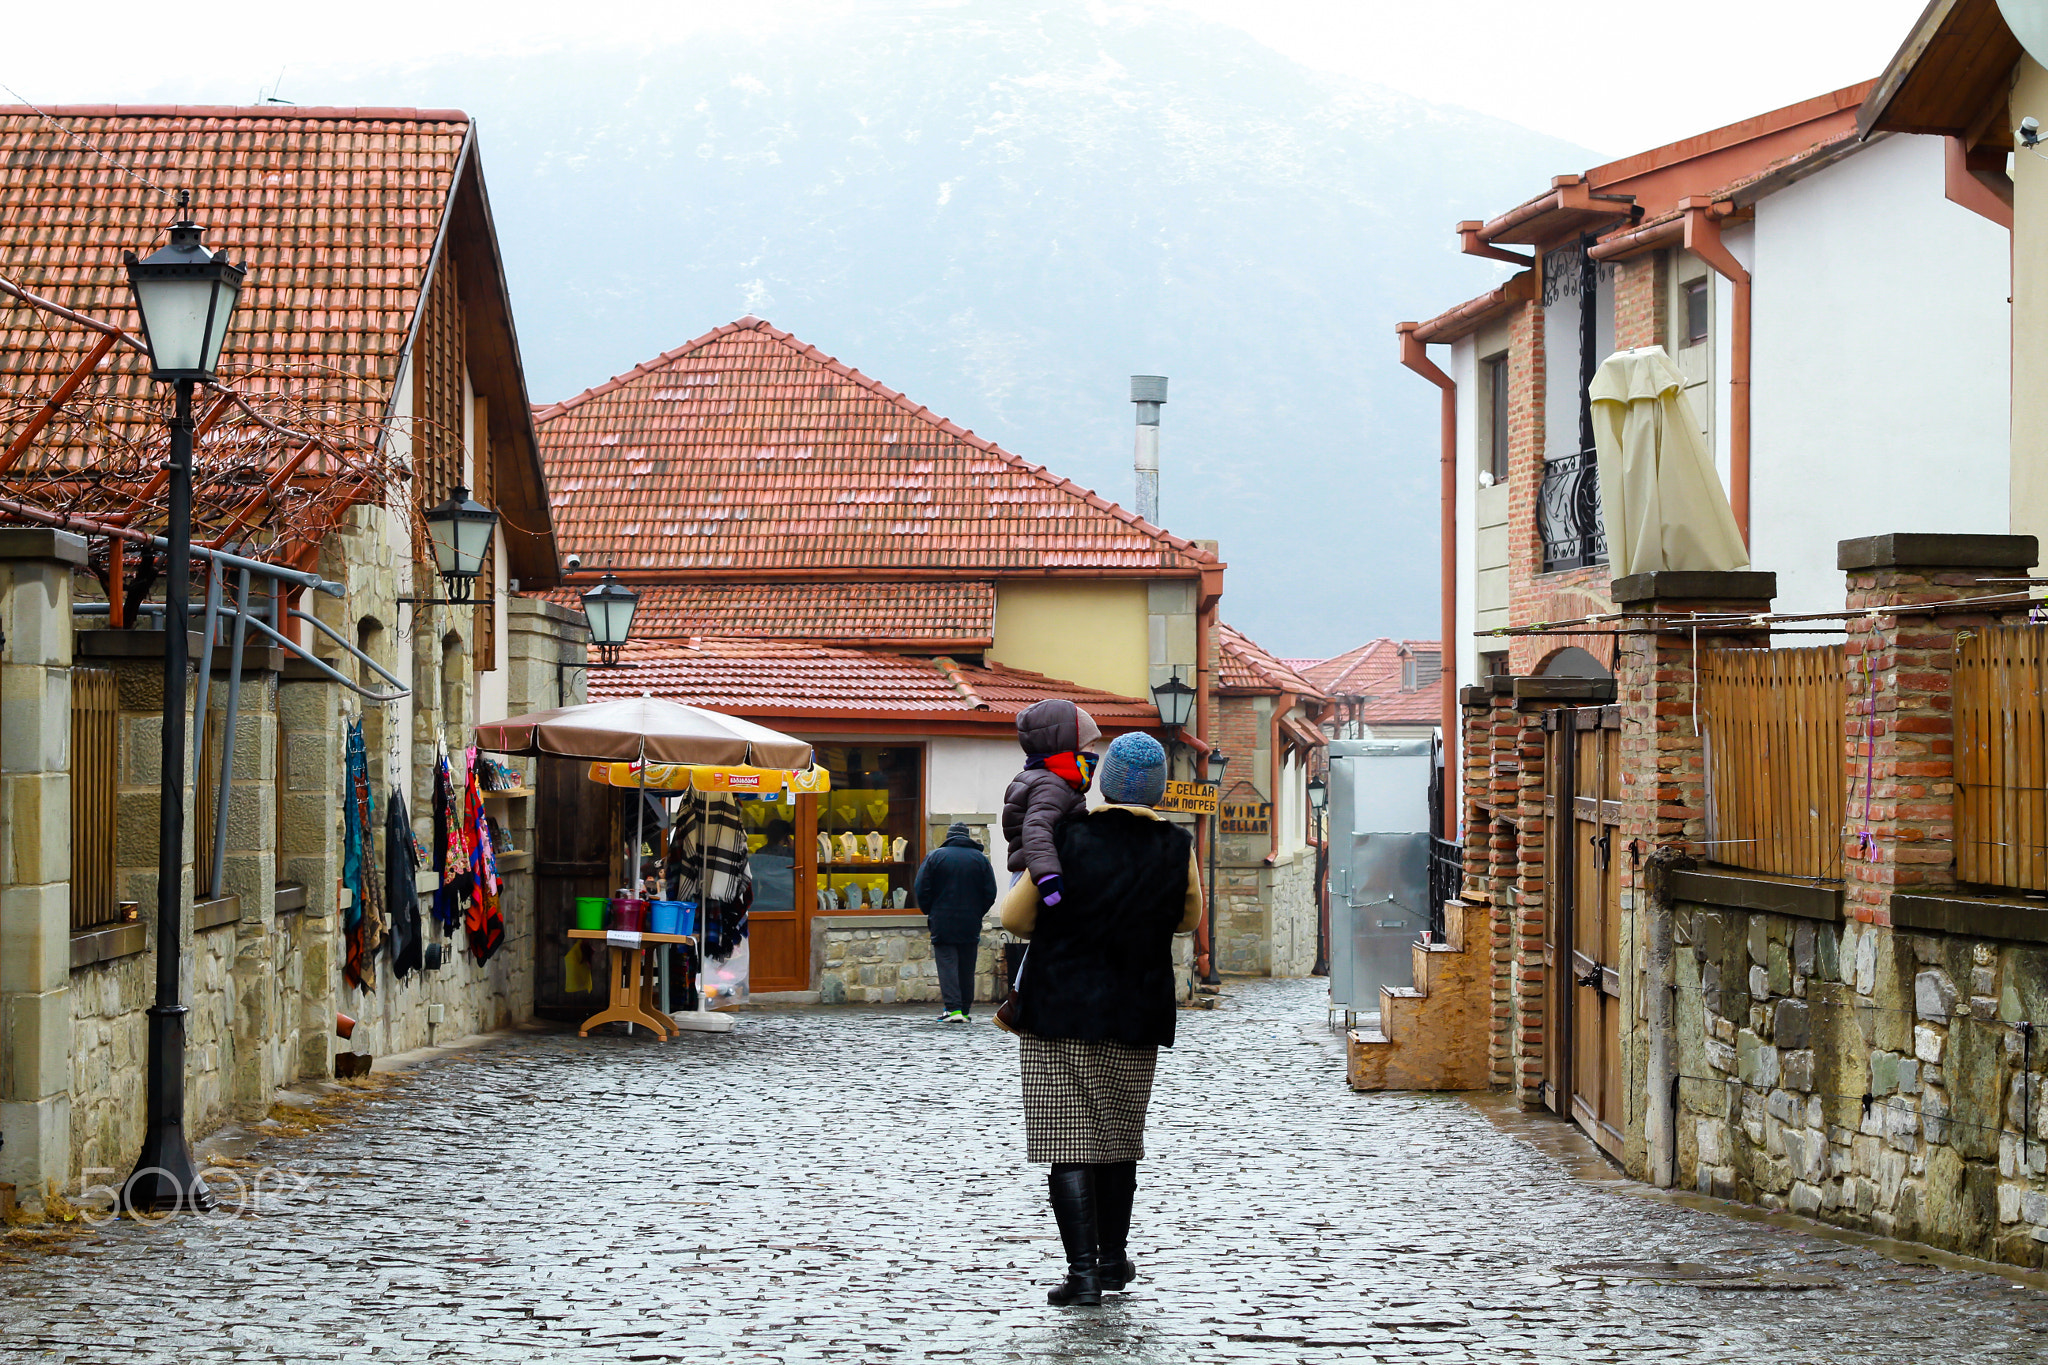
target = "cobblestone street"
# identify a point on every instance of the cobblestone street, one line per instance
(841, 1184)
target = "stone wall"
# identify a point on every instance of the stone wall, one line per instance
(887, 960)
(1265, 916)
(1879, 1079)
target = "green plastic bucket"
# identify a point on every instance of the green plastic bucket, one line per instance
(590, 912)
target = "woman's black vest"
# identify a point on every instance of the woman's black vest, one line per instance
(1101, 961)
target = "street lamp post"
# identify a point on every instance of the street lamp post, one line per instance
(1318, 802)
(461, 530)
(1217, 761)
(186, 296)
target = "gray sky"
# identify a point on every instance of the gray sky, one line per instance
(1617, 77)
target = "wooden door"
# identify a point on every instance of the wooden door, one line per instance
(574, 839)
(779, 934)
(1582, 951)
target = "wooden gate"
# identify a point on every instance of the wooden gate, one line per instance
(574, 836)
(1582, 944)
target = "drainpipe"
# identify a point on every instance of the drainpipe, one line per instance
(1209, 596)
(1660, 1118)
(1703, 239)
(1415, 356)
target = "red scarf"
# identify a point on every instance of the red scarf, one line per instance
(1077, 768)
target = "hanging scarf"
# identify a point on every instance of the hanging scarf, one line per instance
(486, 924)
(714, 820)
(451, 852)
(402, 859)
(360, 923)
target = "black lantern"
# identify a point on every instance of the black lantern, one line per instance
(186, 296)
(1217, 760)
(461, 530)
(1318, 793)
(1176, 702)
(609, 609)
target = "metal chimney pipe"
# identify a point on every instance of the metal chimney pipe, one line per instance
(1148, 391)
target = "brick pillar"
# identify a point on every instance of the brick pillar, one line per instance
(1663, 758)
(1899, 721)
(35, 858)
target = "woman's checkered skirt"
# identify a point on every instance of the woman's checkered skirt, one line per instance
(1085, 1102)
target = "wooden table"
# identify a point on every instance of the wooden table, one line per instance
(632, 981)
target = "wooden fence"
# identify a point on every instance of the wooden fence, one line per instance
(95, 736)
(1772, 720)
(2001, 827)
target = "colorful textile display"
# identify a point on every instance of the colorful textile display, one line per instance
(484, 920)
(451, 852)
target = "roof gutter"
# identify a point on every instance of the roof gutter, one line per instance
(1963, 187)
(1415, 356)
(1702, 220)
(1471, 244)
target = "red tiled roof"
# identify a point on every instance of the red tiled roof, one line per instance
(937, 612)
(793, 679)
(748, 452)
(337, 213)
(1371, 676)
(334, 211)
(1247, 668)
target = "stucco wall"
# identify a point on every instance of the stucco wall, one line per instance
(1879, 391)
(1093, 633)
(2029, 416)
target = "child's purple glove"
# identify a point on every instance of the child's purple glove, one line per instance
(1049, 888)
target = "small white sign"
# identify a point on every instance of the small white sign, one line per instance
(622, 938)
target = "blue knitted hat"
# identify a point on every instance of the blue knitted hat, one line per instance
(1133, 771)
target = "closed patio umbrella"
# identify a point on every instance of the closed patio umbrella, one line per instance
(1661, 500)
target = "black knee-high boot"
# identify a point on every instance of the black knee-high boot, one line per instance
(1073, 1206)
(1116, 1186)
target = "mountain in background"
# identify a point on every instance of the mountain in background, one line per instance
(1005, 212)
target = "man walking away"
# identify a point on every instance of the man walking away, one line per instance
(955, 888)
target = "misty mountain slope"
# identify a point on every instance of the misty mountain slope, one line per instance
(1004, 215)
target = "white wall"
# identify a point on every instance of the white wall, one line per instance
(967, 776)
(1880, 364)
(1464, 368)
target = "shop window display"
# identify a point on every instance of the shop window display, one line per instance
(870, 826)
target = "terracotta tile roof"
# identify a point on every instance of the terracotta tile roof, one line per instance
(794, 679)
(1247, 668)
(937, 612)
(747, 451)
(335, 211)
(1371, 677)
(1375, 667)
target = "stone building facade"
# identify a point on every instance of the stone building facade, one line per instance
(1267, 888)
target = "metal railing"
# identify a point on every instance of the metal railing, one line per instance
(1568, 513)
(1446, 880)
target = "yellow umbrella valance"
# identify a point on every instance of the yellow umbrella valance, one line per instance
(711, 777)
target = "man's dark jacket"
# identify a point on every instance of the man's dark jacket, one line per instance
(955, 888)
(1101, 961)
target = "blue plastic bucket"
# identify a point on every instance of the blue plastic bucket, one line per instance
(668, 917)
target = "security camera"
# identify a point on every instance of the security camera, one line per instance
(574, 562)
(2030, 131)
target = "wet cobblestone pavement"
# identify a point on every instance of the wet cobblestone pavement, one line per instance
(842, 1184)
